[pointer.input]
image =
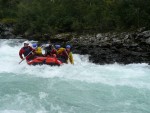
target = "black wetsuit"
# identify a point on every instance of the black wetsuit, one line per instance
(48, 50)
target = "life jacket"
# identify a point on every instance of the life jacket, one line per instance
(27, 50)
(61, 52)
(38, 51)
(53, 51)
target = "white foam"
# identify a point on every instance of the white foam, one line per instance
(43, 95)
(12, 111)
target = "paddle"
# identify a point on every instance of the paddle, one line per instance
(26, 56)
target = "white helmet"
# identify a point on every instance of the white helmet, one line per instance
(47, 45)
(26, 42)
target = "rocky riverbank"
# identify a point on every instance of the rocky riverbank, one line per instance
(109, 48)
(103, 48)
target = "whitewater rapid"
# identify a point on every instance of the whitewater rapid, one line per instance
(81, 88)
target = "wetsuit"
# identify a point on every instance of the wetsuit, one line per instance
(48, 50)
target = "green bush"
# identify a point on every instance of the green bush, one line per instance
(8, 21)
(54, 16)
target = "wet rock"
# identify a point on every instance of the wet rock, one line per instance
(141, 29)
(19, 37)
(123, 47)
(148, 41)
(63, 37)
(99, 36)
(146, 34)
(6, 31)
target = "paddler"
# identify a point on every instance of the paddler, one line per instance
(62, 54)
(27, 51)
(70, 56)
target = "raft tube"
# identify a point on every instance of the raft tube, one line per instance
(53, 61)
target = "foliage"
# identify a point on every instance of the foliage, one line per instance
(52, 16)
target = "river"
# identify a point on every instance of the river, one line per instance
(81, 88)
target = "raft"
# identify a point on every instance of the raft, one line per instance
(53, 61)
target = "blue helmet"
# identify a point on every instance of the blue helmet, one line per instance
(34, 45)
(68, 46)
(57, 46)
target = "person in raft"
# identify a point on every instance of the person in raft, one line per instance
(49, 49)
(26, 51)
(62, 54)
(38, 50)
(68, 49)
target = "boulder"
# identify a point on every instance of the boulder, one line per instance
(148, 40)
(108, 48)
(146, 34)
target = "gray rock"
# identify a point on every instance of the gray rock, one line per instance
(19, 37)
(63, 36)
(99, 36)
(6, 33)
(115, 47)
(148, 41)
(146, 33)
(127, 36)
(141, 29)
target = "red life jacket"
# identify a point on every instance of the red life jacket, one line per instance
(27, 50)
